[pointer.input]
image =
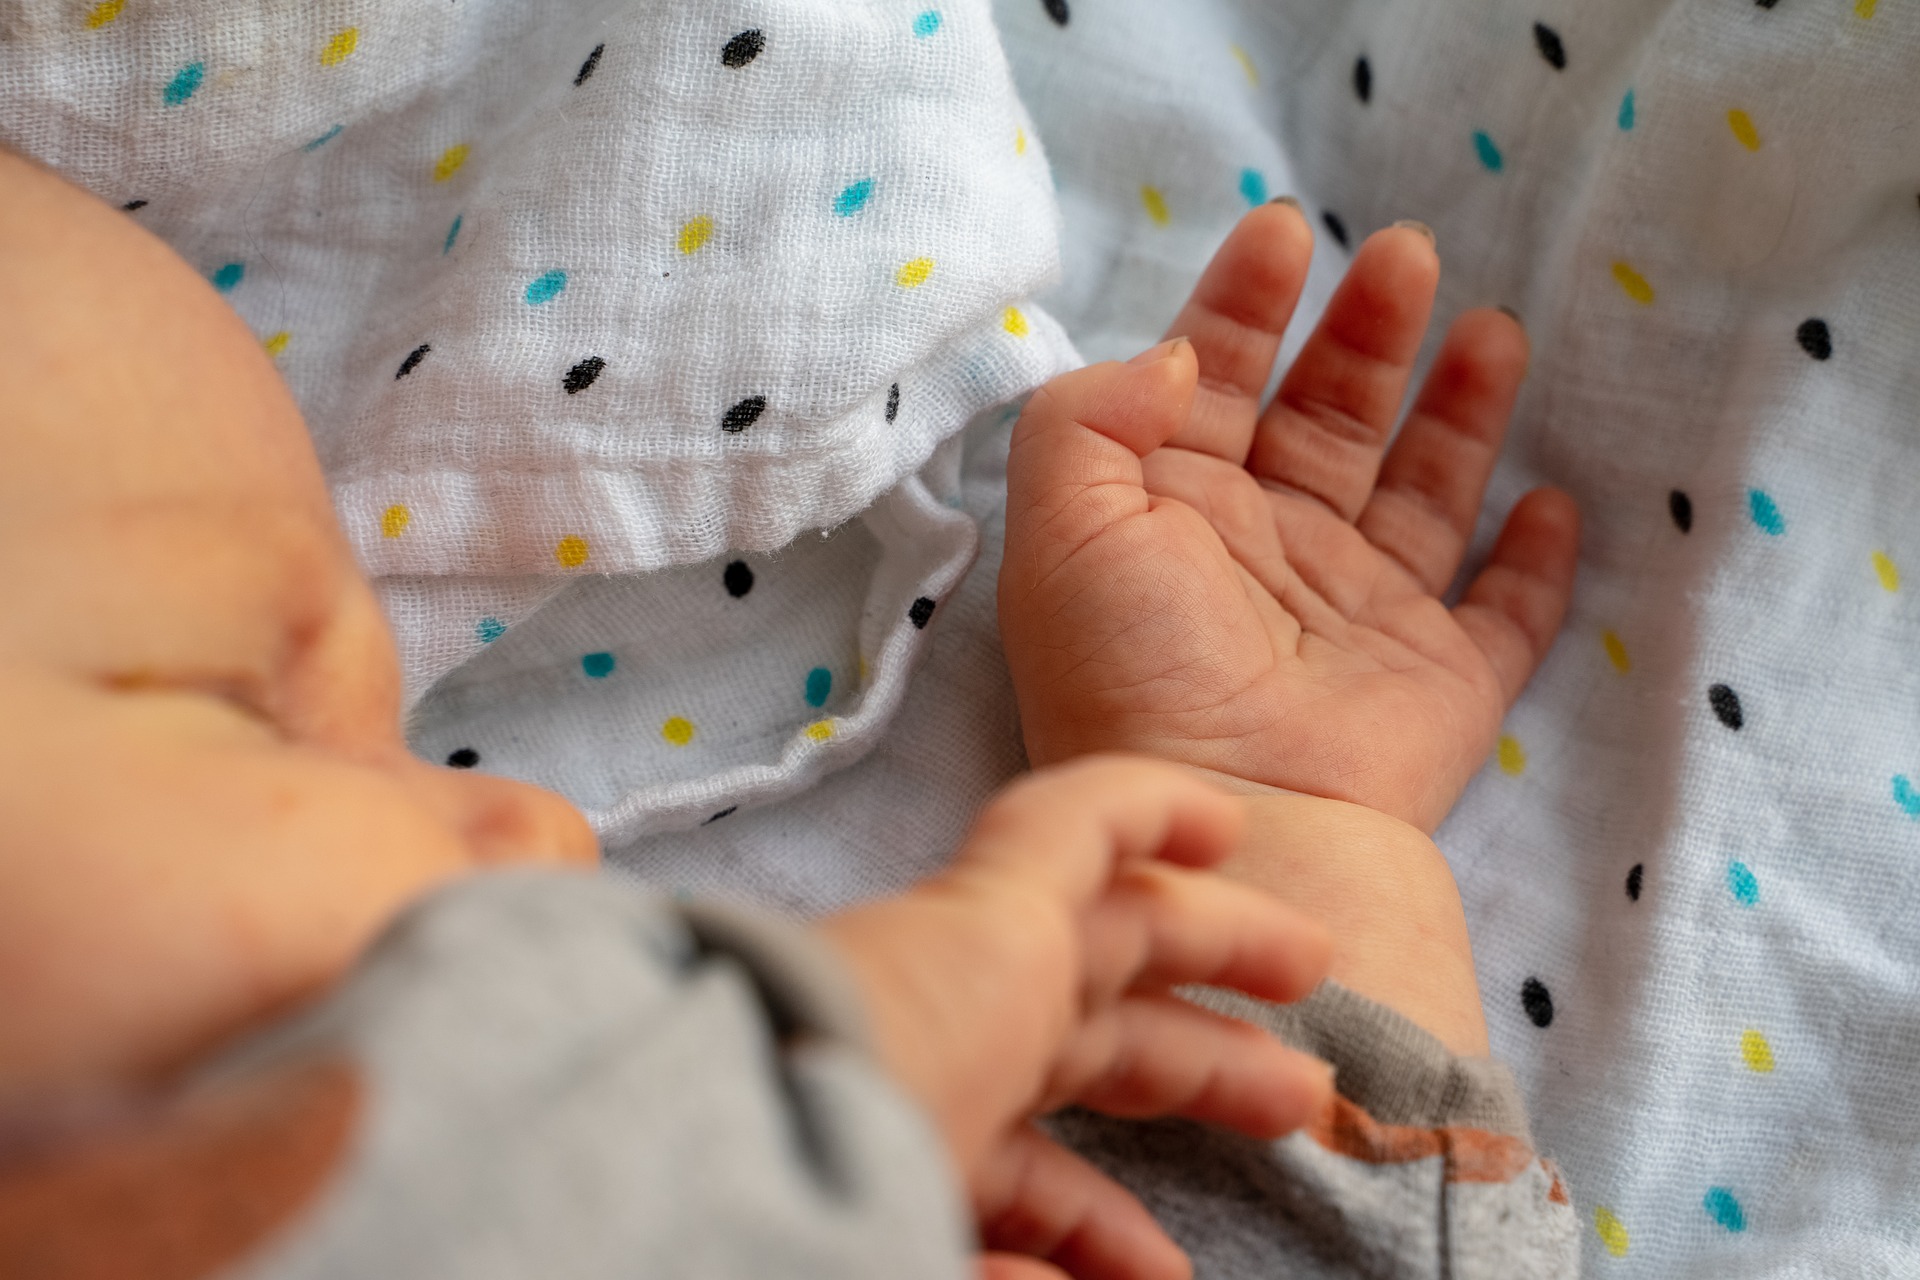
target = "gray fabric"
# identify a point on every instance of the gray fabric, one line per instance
(1390, 1066)
(569, 1078)
(1295, 1208)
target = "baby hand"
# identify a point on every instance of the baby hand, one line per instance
(1035, 974)
(1257, 592)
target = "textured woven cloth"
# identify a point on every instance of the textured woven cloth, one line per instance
(572, 293)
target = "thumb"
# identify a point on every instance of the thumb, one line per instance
(1074, 469)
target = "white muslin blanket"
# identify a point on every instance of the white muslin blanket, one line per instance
(603, 313)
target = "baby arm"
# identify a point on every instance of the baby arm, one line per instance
(1255, 591)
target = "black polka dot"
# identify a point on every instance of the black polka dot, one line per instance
(1550, 46)
(1335, 227)
(1058, 11)
(739, 579)
(1816, 339)
(1726, 704)
(591, 65)
(464, 758)
(1537, 1001)
(893, 402)
(1363, 79)
(743, 48)
(921, 612)
(1680, 507)
(581, 376)
(732, 808)
(743, 415)
(133, 205)
(1766, 4)
(1633, 880)
(412, 362)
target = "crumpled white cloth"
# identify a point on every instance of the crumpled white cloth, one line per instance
(586, 303)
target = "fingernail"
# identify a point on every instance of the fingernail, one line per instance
(1511, 314)
(1165, 351)
(1292, 202)
(1421, 227)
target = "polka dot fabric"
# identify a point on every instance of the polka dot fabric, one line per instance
(1708, 216)
(758, 674)
(598, 223)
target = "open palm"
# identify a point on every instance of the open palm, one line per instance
(1257, 592)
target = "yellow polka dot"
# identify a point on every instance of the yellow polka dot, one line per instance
(1634, 283)
(1246, 65)
(678, 730)
(341, 47)
(277, 343)
(695, 234)
(863, 668)
(1019, 142)
(1888, 571)
(1156, 206)
(450, 161)
(914, 274)
(1015, 322)
(1863, 9)
(1756, 1051)
(1612, 1231)
(820, 730)
(1616, 652)
(394, 521)
(1742, 125)
(571, 551)
(1513, 756)
(104, 12)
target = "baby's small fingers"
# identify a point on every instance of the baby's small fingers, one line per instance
(1337, 406)
(1431, 484)
(1069, 828)
(1513, 609)
(1074, 470)
(1161, 1056)
(1163, 927)
(1012, 1266)
(1235, 319)
(1034, 1197)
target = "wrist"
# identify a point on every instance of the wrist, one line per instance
(1385, 894)
(957, 1018)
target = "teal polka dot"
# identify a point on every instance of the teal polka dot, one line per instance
(1724, 1209)
(546, 288)
(1253, 185)
(854, 198)
(926, 24)
(819, 685)
(453, 233)
(1489, 154)
(1742, 883)
(1626, 111)
(489, 630)
(227, 277)
(598, 666)
(185, 83)
(1766, 513)
(1906, 796)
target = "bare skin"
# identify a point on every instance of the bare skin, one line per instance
(207, 808)
(1254, 591)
